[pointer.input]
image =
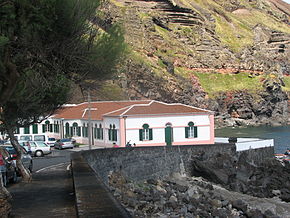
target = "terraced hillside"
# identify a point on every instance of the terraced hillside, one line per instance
(231, 56)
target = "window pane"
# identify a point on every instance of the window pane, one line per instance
(39, 138)
(145, 134)
(41, 144)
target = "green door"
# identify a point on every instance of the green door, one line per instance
(168, 135)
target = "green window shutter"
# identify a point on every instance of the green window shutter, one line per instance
(71, 131)
(66, 130)
(141, 134)
(98, 133)
(195, 131)
(35, 128)
(150, 134)
(26, 130)
(43, 128)
(79, 131)
(109, 132)
(17, 131)
(186, 132)
(114, 135)
(102, 133)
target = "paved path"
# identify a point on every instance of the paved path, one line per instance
(50, 194)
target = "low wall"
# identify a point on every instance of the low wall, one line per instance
(257, 155)
(139, 163)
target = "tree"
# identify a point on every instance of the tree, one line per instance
(43, 45)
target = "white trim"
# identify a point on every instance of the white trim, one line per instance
(85, 111)
(129, 108)
(153, 101)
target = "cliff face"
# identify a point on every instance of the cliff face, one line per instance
(229, 56)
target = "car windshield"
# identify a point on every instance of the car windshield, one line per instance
(41, 144)
(39, 138)
(51, 139)
(65, 140)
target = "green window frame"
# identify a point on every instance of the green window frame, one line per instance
(43, 128)
(110, 133)
(191, 131)
(98, 133)
(95, 131)
(26, 130)
(75, 129)
(113, 133)
(67, 130)
(17, 130)
(101, 132)
(35, 129)
(146, 133)
(47, 127)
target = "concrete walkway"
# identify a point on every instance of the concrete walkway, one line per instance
(50, 194)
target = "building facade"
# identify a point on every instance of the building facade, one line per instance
(140, 123)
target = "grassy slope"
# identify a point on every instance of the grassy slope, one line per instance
(234, 30)
(228, 82)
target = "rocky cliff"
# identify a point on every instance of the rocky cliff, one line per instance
(230, 56)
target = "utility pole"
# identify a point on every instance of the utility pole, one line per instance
(89, 121)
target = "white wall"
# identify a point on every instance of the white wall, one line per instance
(158, 124)
(248, 143)
(106, 125)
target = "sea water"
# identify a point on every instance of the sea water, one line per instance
(281, 135)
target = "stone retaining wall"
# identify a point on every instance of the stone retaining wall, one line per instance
(257, 155)
(155, 162)
(94, 198)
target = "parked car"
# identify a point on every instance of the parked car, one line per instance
(36, 148)
(2, 141)
(26, 158)
(64, 143)
(7, 167)
(51, 141)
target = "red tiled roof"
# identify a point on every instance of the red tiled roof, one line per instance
(98, 109)
(124, 108)
(156, 107)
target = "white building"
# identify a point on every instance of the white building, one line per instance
(145, 123)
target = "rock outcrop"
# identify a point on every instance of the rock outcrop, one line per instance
(221, 186)
(267, 180)
(178, 196)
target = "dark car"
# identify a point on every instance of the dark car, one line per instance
(26, 157)
(7, 167)
(64, 143)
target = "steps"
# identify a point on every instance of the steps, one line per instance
(174, 14)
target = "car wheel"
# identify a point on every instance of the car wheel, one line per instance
(30, 167)
(38, 153)
(4, 179)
